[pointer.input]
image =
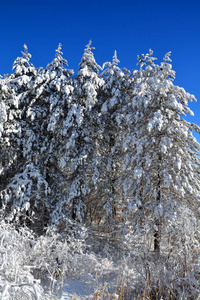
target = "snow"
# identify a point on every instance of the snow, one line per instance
(137, 173)
(71, 287)
(97, 148)
(104, 108)
(62, 162)
(179, 163)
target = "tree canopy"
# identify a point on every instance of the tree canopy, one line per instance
(107, 148)
(113, 140)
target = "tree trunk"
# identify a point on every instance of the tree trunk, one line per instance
(157, 237)
(157, 232)
(112, 178)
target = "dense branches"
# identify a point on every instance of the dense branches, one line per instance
(108, 148)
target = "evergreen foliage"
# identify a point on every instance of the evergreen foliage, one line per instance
(108, 148)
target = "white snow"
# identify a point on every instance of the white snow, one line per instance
(70, 287)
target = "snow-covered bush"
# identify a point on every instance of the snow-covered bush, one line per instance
(40, 267)
(16, 269)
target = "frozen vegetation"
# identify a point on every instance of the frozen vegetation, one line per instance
(99, 182)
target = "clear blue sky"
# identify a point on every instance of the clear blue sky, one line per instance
(131, 27)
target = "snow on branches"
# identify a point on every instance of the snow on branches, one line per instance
(106, 146)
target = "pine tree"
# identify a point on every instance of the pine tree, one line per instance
(21, 177)
(161, 162)
(79, 131)
(110, 127)
(61, 88)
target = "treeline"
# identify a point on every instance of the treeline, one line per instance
(106, 146)
(106, 149)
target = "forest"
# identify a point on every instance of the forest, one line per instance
(99, 181)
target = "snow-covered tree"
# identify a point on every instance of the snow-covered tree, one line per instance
(78, 130)
(111, 117)
(61, 88)
(23, 180)
(161, 162)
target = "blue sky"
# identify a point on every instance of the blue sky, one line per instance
(131, 27)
